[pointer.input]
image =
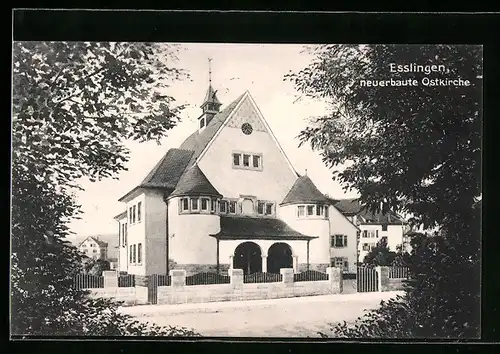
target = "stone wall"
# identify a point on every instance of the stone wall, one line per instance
(239, 291)
(130, 296)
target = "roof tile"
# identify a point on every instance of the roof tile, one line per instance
(304, 191)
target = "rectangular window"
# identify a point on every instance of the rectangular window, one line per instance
(133, 214)
(260, 208)
(332, 241)
(232, 207)
(384, 227)
(236, 159)
(139, 253)
(301, 210)
(256, 161)
(366, 247)
(246, 160)
(376, 233)
(204, 204)
(269, 208)
(319, 210)
(365, 233)
(194, 204)
(131, 254)
(339, 262)
(223, 206)
(95, 251)
(202, 122)
(340, 240)
(185, 204)
(139, 205)
(310, 209)
(326, 212)
(130, 215)
(134, 258)
(126, 233)
(214, 205)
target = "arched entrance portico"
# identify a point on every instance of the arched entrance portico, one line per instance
(248, 256)
(279, 256)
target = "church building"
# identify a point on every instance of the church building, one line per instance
(229, 197)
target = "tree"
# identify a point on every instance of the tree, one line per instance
(410, 149)
(380, 255)
(74, 105)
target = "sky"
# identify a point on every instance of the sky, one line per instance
(258, 68)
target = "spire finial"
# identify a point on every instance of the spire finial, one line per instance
(210, 71)
(306, 171)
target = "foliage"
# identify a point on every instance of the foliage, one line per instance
(95, 266)
(380, 255)
(414, 150)
(74, 104)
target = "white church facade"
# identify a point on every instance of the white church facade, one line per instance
(229, 197)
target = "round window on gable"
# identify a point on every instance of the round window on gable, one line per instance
(246, 128)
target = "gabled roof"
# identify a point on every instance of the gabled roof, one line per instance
(99, 242)
(304, 191)
(232, 227)
(194, 182)
(198, 141)
(351, 207)
(168, 171)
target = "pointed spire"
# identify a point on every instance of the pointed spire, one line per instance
(209, 72)
(211, 104)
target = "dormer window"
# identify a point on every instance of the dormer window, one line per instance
(202, 122)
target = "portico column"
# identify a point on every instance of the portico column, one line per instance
(231, 261)
(295, 264)
(264, 263)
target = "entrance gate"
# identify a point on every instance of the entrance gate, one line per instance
(366, 279)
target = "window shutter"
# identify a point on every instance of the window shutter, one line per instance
(345, 240)
(365, 233)
(376, 233)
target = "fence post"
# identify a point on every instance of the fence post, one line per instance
(287, 274)
(110, 279)
(383, 278)
(178, 278)
(336, 280)
(236, 278)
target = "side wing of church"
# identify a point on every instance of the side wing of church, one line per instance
(228, 197)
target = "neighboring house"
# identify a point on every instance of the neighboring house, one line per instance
(373, 226)
(94, 248)
(229, 197)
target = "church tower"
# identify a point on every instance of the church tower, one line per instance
(211, 103)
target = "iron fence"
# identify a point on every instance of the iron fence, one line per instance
(398, 272)
(126, 281)
(262, 278)
(207, 278)
(88, 281)
(310, 275)
(164, 280)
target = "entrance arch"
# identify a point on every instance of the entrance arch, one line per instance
(248, 256)
(279, 256)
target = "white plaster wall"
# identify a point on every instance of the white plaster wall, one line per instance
(189, 241)
(339, 224)
(318, 248)
(394, 236)
(156, 218)
(272, 183)
(122, 250)
(137, 234)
